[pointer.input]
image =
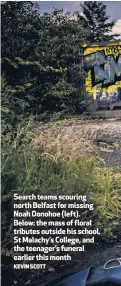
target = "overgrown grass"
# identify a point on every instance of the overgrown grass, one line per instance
(51, 164)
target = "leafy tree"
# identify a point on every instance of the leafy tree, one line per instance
(42, 68)
(96, 19)
(20, 29)
(60, 46)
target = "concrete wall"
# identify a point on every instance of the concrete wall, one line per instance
(103, 75)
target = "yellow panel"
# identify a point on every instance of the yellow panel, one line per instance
(113, 49)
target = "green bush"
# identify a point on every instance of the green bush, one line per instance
(26, 169)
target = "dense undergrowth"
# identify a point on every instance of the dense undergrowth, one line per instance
(43, 80)
(43, 165)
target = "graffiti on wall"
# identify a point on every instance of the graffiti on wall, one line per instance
(103, 74)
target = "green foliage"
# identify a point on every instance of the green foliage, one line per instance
(7, 109)
(41, 59)
(12, 111)
(42, 77)
(96, 19)
(26, 169)
(20, 29)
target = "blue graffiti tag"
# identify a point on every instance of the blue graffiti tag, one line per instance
(104, 69)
